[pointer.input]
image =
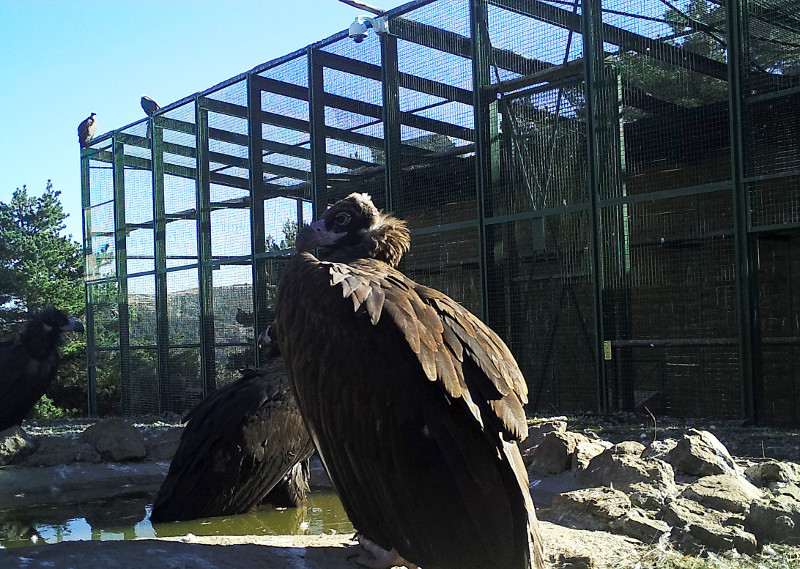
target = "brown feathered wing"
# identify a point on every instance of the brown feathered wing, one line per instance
(414, 405)
(237, 445)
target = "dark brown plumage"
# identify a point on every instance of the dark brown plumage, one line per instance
(149, 106)
(86, 130)
(414, 404)
(29, 363)
(243, 445)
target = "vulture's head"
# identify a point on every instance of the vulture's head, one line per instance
(44, 330)
(56, 321)
(269, 339)
(149, 106)
(353, 228)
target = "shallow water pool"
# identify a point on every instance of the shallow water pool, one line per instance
(129, 518)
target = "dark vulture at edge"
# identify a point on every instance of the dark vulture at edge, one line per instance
(243, 445)
(415, 406)
(29, 363)
(86, 130)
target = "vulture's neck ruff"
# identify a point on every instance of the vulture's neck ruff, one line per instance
(353, 228)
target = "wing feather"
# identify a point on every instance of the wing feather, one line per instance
(445, 337)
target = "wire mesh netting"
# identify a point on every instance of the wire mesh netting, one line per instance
(612, 185)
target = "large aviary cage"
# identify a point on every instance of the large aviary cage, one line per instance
(612, 185)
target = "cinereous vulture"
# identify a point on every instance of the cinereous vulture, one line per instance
(415, 406)
(149, 106)
(243, 445)
(86, 130)
(29, 363)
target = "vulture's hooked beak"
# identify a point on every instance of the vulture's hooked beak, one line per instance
(73, 326)
(316, 235)
(264, 338)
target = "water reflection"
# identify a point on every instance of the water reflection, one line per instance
(129, 518)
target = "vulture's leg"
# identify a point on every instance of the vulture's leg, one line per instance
(375, 557)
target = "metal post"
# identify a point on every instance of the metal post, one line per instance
(593, 61)
(391, 118)
(91, 346)
(208, 369)
(746, 244)
(160, 256)
(258, 238)
(120, 240)
(316, 102)
(487, 151)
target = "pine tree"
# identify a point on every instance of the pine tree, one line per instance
(38, 265)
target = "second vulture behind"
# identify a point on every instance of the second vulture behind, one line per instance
(244, 444)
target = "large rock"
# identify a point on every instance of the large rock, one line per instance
(699, 453)
(15, 444)
(53, 451)
(539, 430)
(710, 527)
(555, 453)
(589, 508)
(585, 450)
(623, 470)
(162, 444)
(637, 525)
(660, 449)
(116, 440)
(634, 448)
(723, 492)
(775, 520)
(774, 471)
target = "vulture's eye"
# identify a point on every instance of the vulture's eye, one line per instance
(342, 219)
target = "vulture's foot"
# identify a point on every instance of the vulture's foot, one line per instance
(375, 557)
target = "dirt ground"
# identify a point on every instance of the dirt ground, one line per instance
(566, 548)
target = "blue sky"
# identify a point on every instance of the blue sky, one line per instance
(61, 60)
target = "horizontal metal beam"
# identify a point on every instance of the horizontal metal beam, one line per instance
(362, 108)
(455, 44)
(406, 80)
(617, 36)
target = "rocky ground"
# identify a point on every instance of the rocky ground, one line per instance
(611, 493)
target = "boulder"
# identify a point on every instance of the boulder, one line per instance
(624, 470)
(776, 519)
(699, 453)
(710, 527)
(637, 525)
(15, 444)
(162, 444)
(585, 450)
(554, 453)
(116, 440)
(54, 451)
(659, 449)
(723, 492)
(589, 508)
(629, 447)
(651, 497)
(774, 471)
(539, 430)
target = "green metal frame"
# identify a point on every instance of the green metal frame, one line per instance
(121, 257)
(748, 314)
(160, 254)
(606, 202)
(208, 358)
